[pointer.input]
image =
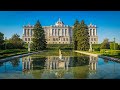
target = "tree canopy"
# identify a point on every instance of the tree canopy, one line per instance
(1, 38)
(39, 41)
(15, 42)
(105, 44)
(81, 36)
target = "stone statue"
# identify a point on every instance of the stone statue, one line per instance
(29, 47)
(60, 55)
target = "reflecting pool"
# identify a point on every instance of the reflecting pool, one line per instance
(50, 66)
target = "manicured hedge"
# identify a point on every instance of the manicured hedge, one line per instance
(59, 46)
(110, 52)
(96, 47)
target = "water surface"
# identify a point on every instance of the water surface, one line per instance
(48, 65)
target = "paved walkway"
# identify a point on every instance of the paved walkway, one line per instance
(96, 55)
(101, 56)
(18, 56)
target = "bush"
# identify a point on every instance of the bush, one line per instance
(60, 46)
(110, 52)
(96, 47)
(2, 46)
(112, 46)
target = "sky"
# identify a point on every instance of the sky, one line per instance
(108, 22)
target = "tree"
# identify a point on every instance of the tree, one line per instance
(112, 47)
(82, 37)
(1, 40)
(16, 42)
(74, 34)
(39, 41)
(15, 62)
(105, 44)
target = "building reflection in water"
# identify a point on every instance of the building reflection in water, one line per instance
(54, 63)
(27, 64)
(57, 68)
(93, 63)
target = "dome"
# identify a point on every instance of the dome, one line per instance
(59, 23)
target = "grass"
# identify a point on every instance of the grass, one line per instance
(110, 53)
(12, 52)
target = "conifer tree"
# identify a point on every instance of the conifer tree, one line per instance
(39, 41)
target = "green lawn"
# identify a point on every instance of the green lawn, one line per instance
(12, 52)
(111, 53)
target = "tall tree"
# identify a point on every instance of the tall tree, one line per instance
(74, 34)
(105, 44)
(39, 41)
(82, 37)
(16, 41)
(1, 38)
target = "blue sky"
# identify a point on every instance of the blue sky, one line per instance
(108, 22)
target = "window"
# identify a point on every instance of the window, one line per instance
(25, 32)
(53, 39)
(66, 39)
(62, 32)
(25, 39)
(90, 32)
(55, 32)
(63, 39)
(28, 32)
(59, 42)
(94, 39)
(28, 39)
(58, 32)
(91, 39)
(65, 32)
(93, 31)
(52, 32)
(56, 39)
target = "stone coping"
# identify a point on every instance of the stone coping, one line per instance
(101, 56)
(18, 56)
(96, 55)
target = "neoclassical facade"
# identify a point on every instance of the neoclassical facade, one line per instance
(59, 33)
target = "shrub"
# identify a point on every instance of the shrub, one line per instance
(96, 47)
(112, 46)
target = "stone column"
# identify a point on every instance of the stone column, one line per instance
(92, 32)
(95, 32)
(32, 32)
(95, 65)
(92, 66)
(51, 32)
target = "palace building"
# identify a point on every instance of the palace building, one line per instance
(59, 33)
